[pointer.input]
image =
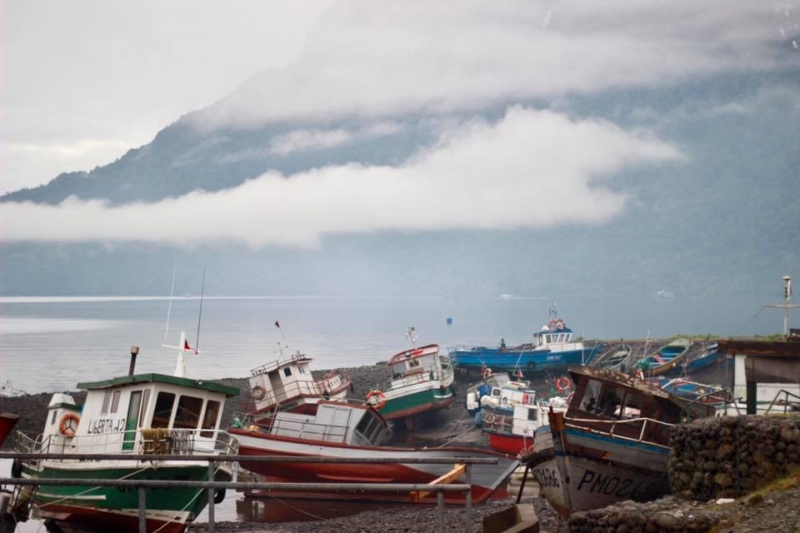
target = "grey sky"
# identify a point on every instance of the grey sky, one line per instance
(85, 81)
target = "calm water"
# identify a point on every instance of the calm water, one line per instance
(50, 344)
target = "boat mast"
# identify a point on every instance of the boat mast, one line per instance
(786, 305)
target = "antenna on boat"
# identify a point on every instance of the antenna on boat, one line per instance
(411, 335)
(280, 346)
(200, 314)
(171, 292)
(183, 346)
(786, 305)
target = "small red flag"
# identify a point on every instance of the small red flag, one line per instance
(187, 347)
(277, 324)
(519, 373)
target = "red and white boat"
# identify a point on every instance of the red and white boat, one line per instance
(511, 414)
(355, 430)
(288, 385)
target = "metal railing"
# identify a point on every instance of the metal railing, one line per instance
(786, 403)
(213, 486)
(587, 424)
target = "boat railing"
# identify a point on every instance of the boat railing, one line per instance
(785, 402)
(161, 441)
(294, 390)
(274, 365)
(716, 398)
(301, 429)
(651, 431)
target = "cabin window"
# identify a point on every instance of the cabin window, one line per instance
(301, 369)
(590, 396)
(115, 401)
(413, 363)
(163, 410)
(53, 419)
(188, 413)
(287, 371)
(369, 426)
(106, 402)
(143, 411)
(532, 415)
(610, 401)
(633, 406)
(210, 418)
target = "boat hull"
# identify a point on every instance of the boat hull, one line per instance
(87, 506)
(7, 423)
(583, 470)
(487, 481)
(425, 399)
(476, 359)
(508, 443)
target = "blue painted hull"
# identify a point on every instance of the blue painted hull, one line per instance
(531, 361)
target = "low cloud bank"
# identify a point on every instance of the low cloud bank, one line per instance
(530, 169)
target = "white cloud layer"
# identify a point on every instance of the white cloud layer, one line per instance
(391, 58)
(532, 169)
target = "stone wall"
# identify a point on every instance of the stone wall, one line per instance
(730, 456)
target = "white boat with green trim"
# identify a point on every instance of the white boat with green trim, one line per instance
(134, 414)
(422, 380)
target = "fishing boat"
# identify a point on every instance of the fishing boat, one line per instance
(7, 423)
(667, 358)
(351, 429)
(552, 349)
(421, 383)
(144, 413)
(512, 413)
(696, 361)
(287, 384)
(481, 389)
(611, 444)
(616, 357)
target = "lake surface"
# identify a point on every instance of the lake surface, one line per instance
(51, 344)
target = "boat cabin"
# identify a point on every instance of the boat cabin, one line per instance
(418, 361)
(510, 394)
(354, 424)
(289, 385)
(125, 414)
(606, 400)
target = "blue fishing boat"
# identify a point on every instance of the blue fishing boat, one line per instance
(552, 349)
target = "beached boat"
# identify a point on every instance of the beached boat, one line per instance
(7, 423)
(552, 349)
(481, 389)
(617, 357)
(512, 413)
(288, 385)
(667, 358)
(137, 414)
(349, 429)
(421, 383)
(611, 444)
(696, 360)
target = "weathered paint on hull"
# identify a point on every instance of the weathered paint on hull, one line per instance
(509, 361)
(508, 443)
(172, 508)
(416, 403)
(487, 480)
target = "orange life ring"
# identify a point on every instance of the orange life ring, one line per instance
(69, 424)
(563, 383)
(381, 399)
(488, 418)
(486, 373)
(257, 393)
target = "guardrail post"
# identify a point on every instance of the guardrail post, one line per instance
(142, 510)
(440, 506)
(210, 498)
(468, 477)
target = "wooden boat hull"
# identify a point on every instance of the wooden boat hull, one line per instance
(87, 506)
(584, 469)
(487, 481)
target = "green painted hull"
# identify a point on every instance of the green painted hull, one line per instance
(188, 502)
(419, 402)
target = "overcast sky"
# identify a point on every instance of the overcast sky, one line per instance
(84, 81)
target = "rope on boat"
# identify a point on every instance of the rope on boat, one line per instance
(457, 436)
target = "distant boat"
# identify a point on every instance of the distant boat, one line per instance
(612, 443)
(668, 357)
(287, 384)
(696, 360)
(421, 383)
(511, 414)
(552, 349)
(617, 357)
